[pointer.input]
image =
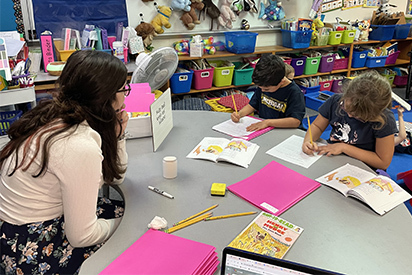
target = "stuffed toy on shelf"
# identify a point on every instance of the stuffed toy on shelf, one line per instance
(161, 19)
(180, 5)
(190, 18)
(210, 9)
(227, 16)
(147, 32)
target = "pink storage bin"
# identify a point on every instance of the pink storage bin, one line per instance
(326, 85)
(287, 60)
(400, 80)
(250, 60)
(391, 59)
(337, 85)
(326, 63)
(340, 64)
(202, 79)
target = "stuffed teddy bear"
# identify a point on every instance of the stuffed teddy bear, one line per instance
(180, 5)
(162, 19)
(190, 18)
(227, 16)
(147, 32)
(210, 9)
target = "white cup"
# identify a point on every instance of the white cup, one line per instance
(170, 167)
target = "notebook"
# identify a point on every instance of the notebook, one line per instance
(235, 261)
(238, 130)
(157, 252)
(274, 188)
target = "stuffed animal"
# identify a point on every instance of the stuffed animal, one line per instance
(244, 5)
(180, 5)
(190, 18)
(210, 9)
(272, 12)
(227, 16)
(316, 25)
(364, 27)
(147, 32)
(161, 19)
(245, 25)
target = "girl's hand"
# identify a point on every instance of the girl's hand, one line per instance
(332, 149)
(235, 117)
(257, 126)
(309, 148)
(400, 111)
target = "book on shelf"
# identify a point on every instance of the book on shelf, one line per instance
(238, 129)
(236, 151)
(267, 235)
(381, 193)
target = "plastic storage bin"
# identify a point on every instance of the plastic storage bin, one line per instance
(340, 64)
(359, 58)
(202, 79)
(326, 63)
(61, 54)
(326, 85)
(242, 77)
(298, 64)
(240, 41)
(320, 40)
(337, 85)
(375, 61)
(382, 32)
(391, 59)
(309, 90)
(390, 77)
(335, 37)
(180, 83)
(222, 75)
(6, 119)
(348, 36)
(287, 60)
(296, 39)
(313, 101)
(401, 31)
(400, 80)
(312, 65)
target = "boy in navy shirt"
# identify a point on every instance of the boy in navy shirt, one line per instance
(279, 101)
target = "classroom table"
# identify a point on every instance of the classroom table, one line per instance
(340, 234)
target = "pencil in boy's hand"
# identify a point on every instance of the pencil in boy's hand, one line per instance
(190, 222)
(310, 132)
(195, 215)
(230, 216)
(234, 103)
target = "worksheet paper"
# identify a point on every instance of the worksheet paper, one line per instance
(290, 150)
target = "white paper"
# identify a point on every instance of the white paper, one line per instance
(236, 129)
(13, 46)
(291, 150)
(161, 118)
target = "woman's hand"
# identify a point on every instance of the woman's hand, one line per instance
(123, 119)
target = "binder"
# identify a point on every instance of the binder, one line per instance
(47, 50)
(99, 45)
(105, 41)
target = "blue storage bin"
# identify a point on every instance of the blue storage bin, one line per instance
(240, 41)
(375, 61)
(382, 32)
(180, 83)
(401, 31)
(312, 100)
(296, 39)
(359, 59)
(7, 118)
(308, 90)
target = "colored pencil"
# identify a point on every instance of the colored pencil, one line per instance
(201, 212)
(234, 103)
(190, 222)
(310, 131)
(230, 216)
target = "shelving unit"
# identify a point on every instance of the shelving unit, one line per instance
(404, 46)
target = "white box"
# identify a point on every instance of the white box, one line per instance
(196, 49)
(138, 127)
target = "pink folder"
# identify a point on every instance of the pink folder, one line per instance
(140, 98)
(157, 252)
(274, 188)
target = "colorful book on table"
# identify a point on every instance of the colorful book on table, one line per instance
(157, 252)
(274, 188)
(238, 130)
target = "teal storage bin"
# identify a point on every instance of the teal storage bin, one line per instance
(243, 76)
(312, 65)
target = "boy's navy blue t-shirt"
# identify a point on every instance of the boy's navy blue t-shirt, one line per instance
(351, 130)
(288, 101)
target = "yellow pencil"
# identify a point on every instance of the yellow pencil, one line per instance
(192, 221)
(201, 212)
(230, 216)
(234, 103)
(310, 131)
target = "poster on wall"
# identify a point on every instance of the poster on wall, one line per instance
(350, 4)
(330, 5)
(371, 3)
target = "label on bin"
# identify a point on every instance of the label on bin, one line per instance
(338, 35)
(225, 72)
(362, 55)
(183, 77)
(378, 61)
(299, 63)
(204, 74)
(329, 60)
(314, 61)
(326, 85)
(351, 34)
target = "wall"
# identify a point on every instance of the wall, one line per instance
(7, 18)
(267, 36)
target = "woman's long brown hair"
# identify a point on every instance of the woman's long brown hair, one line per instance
(86, 90)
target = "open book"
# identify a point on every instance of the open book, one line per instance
(381, 193)
(236, 151)
(268, 235)
(238, 129)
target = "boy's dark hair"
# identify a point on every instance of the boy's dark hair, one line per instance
(269, 71)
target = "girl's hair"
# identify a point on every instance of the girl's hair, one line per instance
(87, 88)
(368, 95)
(288, 69)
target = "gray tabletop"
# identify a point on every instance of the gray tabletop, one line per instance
(340, 234)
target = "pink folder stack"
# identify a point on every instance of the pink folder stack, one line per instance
(157, 252)
(274, 188)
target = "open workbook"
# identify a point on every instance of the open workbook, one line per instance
(268, 235)
(236, 151)
(381, 193)
(238, 130)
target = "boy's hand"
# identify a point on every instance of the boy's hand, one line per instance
(309, 148)
(257, 126)
(235, 117)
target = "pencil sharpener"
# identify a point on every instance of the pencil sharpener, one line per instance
(218, 189)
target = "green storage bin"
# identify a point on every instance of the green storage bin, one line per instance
(335, 37)
(242, 77)
(321, 40)
(390, 77)
(312, 65)
(222, 74)
(348, 36)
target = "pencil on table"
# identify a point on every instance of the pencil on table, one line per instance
(195, 215)
(234, 103)
(190, 222)
(310, 131)
(230, 216)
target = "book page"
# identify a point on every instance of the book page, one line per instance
(345, 178)
(239, 152)
(234, 129)
(268, 235)
(209, 148)
(381, 194)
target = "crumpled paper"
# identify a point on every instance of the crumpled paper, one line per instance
(158, 223)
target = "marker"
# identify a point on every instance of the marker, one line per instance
(161, 192)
